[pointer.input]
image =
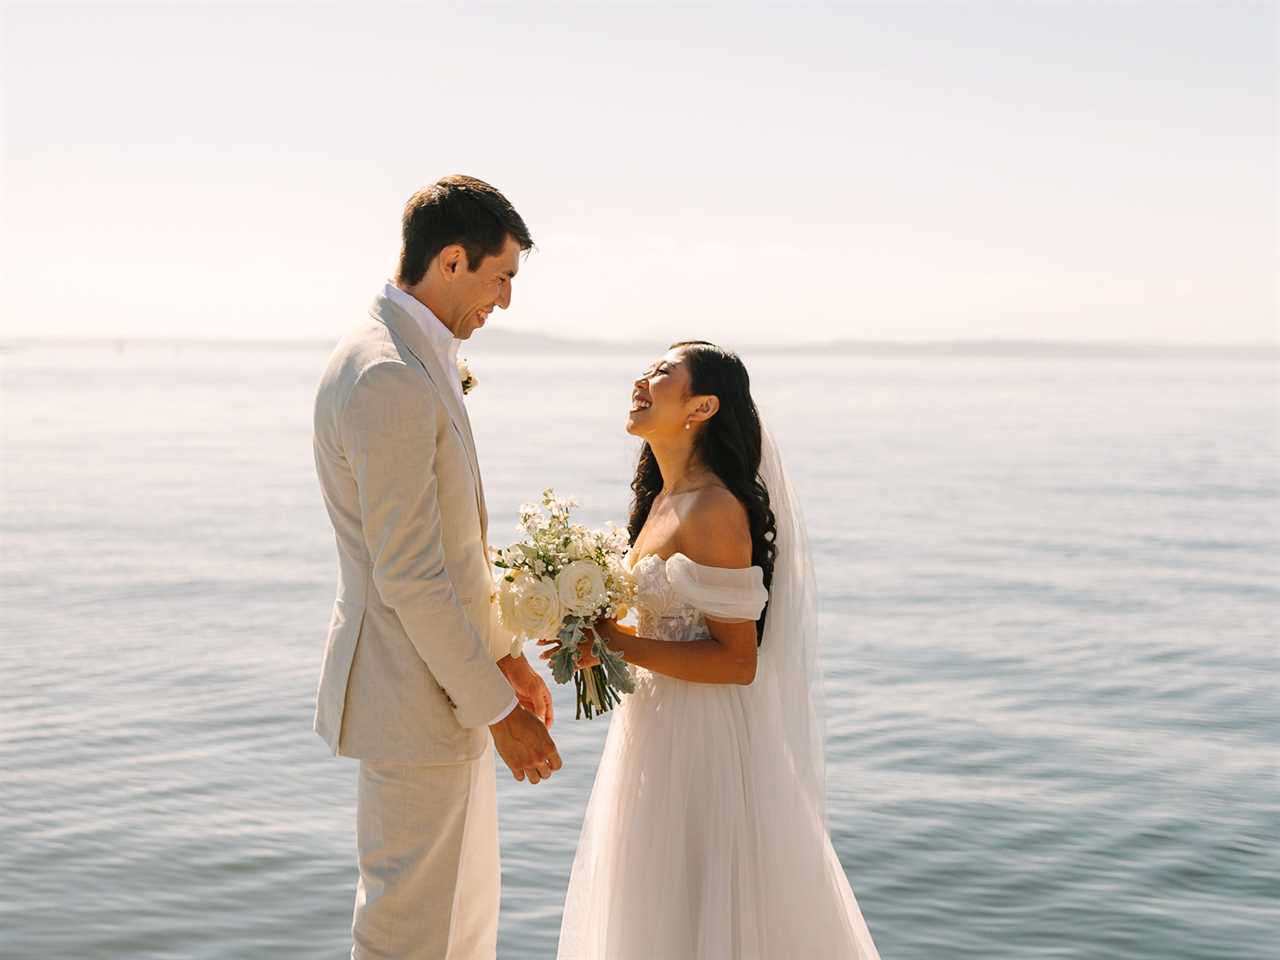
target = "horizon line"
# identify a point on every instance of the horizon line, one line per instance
(496, 338)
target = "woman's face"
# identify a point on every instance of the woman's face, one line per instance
(659, 398)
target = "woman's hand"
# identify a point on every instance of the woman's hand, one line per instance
(585, 659)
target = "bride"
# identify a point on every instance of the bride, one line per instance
(705, 836)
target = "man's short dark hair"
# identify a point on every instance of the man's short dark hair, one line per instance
(457, 209)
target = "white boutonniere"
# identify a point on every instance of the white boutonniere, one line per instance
(468, 378)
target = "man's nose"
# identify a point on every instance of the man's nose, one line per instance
(504, 298)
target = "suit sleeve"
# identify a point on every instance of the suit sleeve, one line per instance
(389, 433)
(502, 642)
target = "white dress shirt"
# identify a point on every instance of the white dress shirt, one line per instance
(438, 335)
(446, 347)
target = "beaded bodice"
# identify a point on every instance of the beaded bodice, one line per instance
(661, 613)
(674, 596)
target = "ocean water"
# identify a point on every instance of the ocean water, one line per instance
(1049, 599)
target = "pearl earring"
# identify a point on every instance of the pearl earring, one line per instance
(686, 424)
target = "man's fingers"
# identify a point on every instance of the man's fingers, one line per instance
(543, 769)
(550, 710)
(518, 774)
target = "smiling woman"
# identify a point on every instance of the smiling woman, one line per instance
(725, 714)
(693, 409)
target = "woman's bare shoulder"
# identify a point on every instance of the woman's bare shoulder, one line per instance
(715, 531)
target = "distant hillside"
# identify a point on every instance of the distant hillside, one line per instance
(508, 341)
(512, 341)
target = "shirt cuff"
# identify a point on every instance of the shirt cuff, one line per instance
(506, 711)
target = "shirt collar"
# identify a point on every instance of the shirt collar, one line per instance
(438, 335)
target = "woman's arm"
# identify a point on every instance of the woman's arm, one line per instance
(728, 657)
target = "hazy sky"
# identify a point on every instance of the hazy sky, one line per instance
(753, 173)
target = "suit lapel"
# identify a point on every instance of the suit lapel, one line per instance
(407, 331)
(475, 460)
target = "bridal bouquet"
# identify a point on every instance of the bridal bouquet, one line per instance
(559, 581)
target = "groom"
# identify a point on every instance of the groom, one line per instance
(417, 665)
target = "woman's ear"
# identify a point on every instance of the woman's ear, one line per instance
(706, 408)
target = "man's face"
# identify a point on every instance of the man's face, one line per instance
(476, 293)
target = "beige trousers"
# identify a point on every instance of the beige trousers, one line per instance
(430, 876)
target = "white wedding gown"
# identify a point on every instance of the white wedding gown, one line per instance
(705, 838)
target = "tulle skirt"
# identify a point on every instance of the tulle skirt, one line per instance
(689, 853)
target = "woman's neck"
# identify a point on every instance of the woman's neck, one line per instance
(679, 465)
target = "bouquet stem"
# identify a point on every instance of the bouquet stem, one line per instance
(599, 687)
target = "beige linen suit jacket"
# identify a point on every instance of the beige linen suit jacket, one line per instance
(409, 669)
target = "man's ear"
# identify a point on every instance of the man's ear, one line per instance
(451, 259)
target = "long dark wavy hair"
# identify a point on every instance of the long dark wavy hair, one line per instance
(728, 445)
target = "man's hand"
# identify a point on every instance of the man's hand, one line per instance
(522, 741)
(530, 689)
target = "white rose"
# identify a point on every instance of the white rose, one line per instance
(530, 607)
(581, 588)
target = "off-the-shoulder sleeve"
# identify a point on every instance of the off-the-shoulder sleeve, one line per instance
(718, 592)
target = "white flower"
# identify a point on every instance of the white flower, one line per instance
(469, 379)
(616, 540)
(507, 600)
(581, 588)
(577, 548)
(529, 606)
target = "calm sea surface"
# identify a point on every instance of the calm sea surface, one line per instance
(1050, 590)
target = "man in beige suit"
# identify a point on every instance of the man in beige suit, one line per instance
(420, 681)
